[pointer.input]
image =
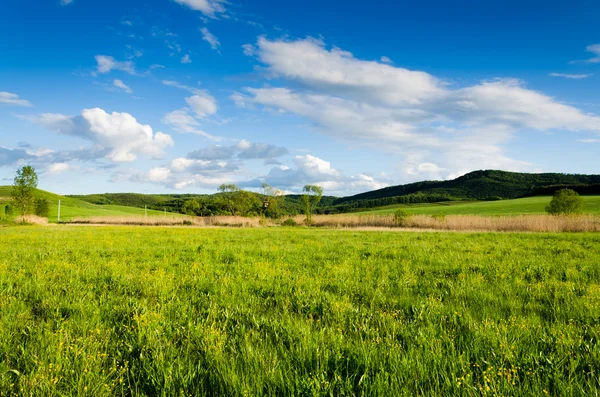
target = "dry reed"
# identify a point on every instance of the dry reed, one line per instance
(520, 223)
(31, 219)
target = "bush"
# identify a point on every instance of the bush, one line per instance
(402, 218)
(289, 222)
(565, 202)
(9, 210)
(42, 207)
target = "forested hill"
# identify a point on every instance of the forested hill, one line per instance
(478, 185)
(484, 185)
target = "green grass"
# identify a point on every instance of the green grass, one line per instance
(529, 205)
(72, 207)
(123, 311)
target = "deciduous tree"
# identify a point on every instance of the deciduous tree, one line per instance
(23, 190)
(312, 196)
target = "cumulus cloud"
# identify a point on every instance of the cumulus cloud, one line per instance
(119, 84)
(107, 63)
(207, 167)
(210, 38)
(435, 129)
(314, 170)
(116, 136)
(8, 98)
(184, 172)
(210, 8)
(58, 168)
(203, 104)
(570, 76)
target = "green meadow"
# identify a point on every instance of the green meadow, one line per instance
(124, 311)
(72, 207)
(528, 205)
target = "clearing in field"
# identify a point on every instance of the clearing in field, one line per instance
(162, 311)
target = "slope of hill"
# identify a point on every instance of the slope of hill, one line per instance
(71, 207)
(520, 206)
(479, 185)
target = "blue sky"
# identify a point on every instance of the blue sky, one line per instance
(183, 95)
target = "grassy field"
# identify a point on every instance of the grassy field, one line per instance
(122, 311)
(529, 205)
(71, 207)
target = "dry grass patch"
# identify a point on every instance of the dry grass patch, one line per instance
(31, 219)
(521, 223)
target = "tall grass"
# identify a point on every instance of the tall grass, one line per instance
(521, 223)
(297, 312)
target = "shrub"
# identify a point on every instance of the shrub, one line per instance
(289, 222)
(42, 207)
(9, 210)
(402, 218)
(565, 202)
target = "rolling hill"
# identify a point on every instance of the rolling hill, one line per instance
(73, 207)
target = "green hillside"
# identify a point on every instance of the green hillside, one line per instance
(73, 207)
(477, 185)
(528, 205)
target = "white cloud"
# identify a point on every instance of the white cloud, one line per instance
(570, 76)
(186, 59)
(13, 99)
(385, 59)
(314, 170)
(338, 71)
(58, 168)
(210, 38)
(414, 115)
(183, 122)
(116, 136)
(249, 50)
(591, 140)
(159, 174)
(594, 49)
(203, 104)
(243, 150)
(210, 8)
(119, 84)
(65, 2)
(108, 63)
(176, 84)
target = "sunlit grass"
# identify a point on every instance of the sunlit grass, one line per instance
(172, 311)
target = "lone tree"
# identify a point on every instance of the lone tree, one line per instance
(565, 202)
(312, 196)
(23, 189)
